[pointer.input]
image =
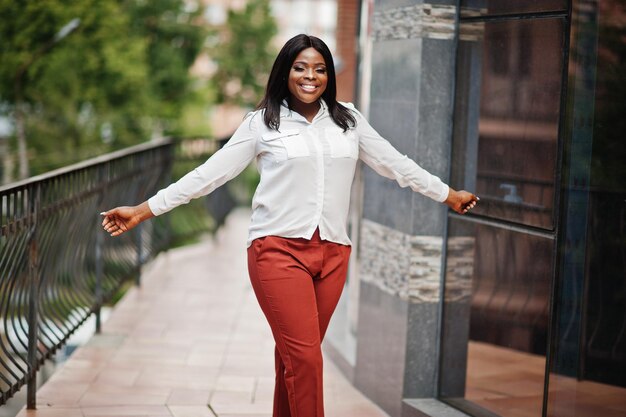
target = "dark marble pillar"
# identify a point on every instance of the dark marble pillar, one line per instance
(402, 232)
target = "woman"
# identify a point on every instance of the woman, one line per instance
(306, 145)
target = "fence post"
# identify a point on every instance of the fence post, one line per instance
(103, 177)
(139, 243)
(32, 203)
(99, 243)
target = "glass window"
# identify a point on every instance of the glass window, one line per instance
(507, 117)
(499, 278)
(588, 371)
(470, 8)
(496, 315)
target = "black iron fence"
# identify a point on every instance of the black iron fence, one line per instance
(57, 266)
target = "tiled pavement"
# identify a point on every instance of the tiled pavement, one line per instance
(191, 342)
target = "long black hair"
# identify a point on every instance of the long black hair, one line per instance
(277, 90)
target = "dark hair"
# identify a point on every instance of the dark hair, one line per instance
(277, 90)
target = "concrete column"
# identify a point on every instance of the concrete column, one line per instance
(411, 105)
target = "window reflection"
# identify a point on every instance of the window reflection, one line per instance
(497, 300)
(588, 371)
(499, 281)
(491, 7)
(507, 150)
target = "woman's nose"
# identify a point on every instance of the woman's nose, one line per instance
(310, 74)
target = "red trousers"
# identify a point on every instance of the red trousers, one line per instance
(298, 283)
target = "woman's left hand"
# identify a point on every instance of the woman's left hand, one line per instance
(121, 219)
(461, 201)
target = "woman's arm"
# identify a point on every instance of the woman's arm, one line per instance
(222, 166)
(383, 158)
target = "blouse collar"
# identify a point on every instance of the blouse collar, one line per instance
(285, 111)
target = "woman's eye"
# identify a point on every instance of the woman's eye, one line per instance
(321, 70)
(299, 69)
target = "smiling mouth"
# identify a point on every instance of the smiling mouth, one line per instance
(309, 88)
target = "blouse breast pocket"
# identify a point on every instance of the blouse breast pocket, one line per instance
(289, 142)
(342, 144)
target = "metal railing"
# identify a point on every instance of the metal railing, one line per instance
(57, 266)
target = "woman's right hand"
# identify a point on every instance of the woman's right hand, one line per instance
(461, 201)
(122, 219)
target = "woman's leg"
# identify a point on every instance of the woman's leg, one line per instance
(281, 272)
(329, 284)
(281, 396)
(282, 281)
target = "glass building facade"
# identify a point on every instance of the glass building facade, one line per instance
(534, 320)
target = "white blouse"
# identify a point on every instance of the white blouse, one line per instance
(306, 172)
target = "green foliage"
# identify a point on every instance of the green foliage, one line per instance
(189, 222)
(194, 120)
(243, 55)
(173, 43)
(121, 77)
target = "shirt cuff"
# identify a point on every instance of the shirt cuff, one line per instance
(443, 196)
(154, 205)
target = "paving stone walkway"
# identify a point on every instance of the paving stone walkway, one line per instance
(191, 342)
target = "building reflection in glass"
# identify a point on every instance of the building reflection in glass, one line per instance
(470, 8)
(588, 370)
(494, 344)
(536, 276)
(509, 84)
(510, 74)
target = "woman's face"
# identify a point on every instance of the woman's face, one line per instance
(307, 77)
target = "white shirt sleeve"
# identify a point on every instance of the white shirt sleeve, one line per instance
(383, 158)
(222, 166)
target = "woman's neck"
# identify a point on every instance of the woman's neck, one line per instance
(307, 110)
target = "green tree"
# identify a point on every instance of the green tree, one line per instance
(174, 39)
(66, 91)
(244, 55)
(118, 78)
